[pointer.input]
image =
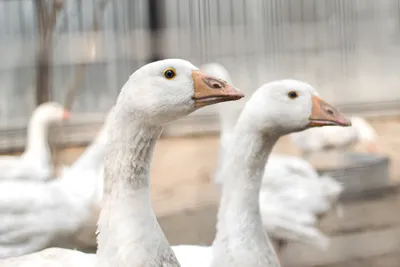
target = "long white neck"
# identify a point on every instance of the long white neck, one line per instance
(241, 240)
(37, 146)
(228, 115)
(92, 157)
(129, 233)
(83, 181)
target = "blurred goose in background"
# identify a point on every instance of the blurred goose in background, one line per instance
(325, 138)
(275, 109)
(293, 195)
(296, 182)
(228, 112)
(89, 167)
(35, 162)
(128, 231)
(61, 212)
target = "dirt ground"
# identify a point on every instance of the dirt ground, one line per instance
(182, 167)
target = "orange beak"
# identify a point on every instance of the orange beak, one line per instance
(324, 114)
(66, 115)
(209, 90)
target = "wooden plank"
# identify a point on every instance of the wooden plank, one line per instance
(387, 260)
(361, 216)
(344, 248)
(191, 226)
(393, 188)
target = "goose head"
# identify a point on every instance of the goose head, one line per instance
(168, 89)
(290, 106)
(50, 112)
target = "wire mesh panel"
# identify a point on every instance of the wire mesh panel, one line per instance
(347, 49)
(110, 54)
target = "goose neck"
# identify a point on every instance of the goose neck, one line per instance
(91, 158)
(239, 220)
(37, 140)
(129, 234)
(243, 173)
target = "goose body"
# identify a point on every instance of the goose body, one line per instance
(52, 257)
(320, 139)
(282, 165)
(128, 231)
(309, 193)
(38, 215)
(35, 162)
(59, 212)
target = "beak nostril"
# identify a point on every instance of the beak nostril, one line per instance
(216, 86)
(213, 83)
(330, 112)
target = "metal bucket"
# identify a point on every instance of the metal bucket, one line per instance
(359, 173)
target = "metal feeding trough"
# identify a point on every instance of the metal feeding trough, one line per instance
(359, 173)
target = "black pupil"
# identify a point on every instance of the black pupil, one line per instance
(169, 74)
(292, 94)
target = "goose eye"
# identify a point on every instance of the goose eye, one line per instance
(292, 94)
(170, 73)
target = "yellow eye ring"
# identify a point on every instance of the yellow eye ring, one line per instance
(293, 94)
(170, 73)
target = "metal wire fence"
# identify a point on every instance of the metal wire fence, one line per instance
(348, 49)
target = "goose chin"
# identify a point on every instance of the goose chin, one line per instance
(320, 123)
(210, 100)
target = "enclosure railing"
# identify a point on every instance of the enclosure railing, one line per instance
(348, 49)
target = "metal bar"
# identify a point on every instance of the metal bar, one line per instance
(156, 18)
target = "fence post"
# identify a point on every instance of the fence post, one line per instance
(155, 13)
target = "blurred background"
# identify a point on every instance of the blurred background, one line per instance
(80, 53)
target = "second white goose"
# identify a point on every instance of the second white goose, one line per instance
(275, 109)
(60, 212)
(35, 162)
(290, 185)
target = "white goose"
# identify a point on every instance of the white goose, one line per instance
(228, 113)
(58, 212)
(129, 234)
(35, 162)
(87, 174)
(321, 139)
(293, 195)
(287, 106)
(299, 186)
